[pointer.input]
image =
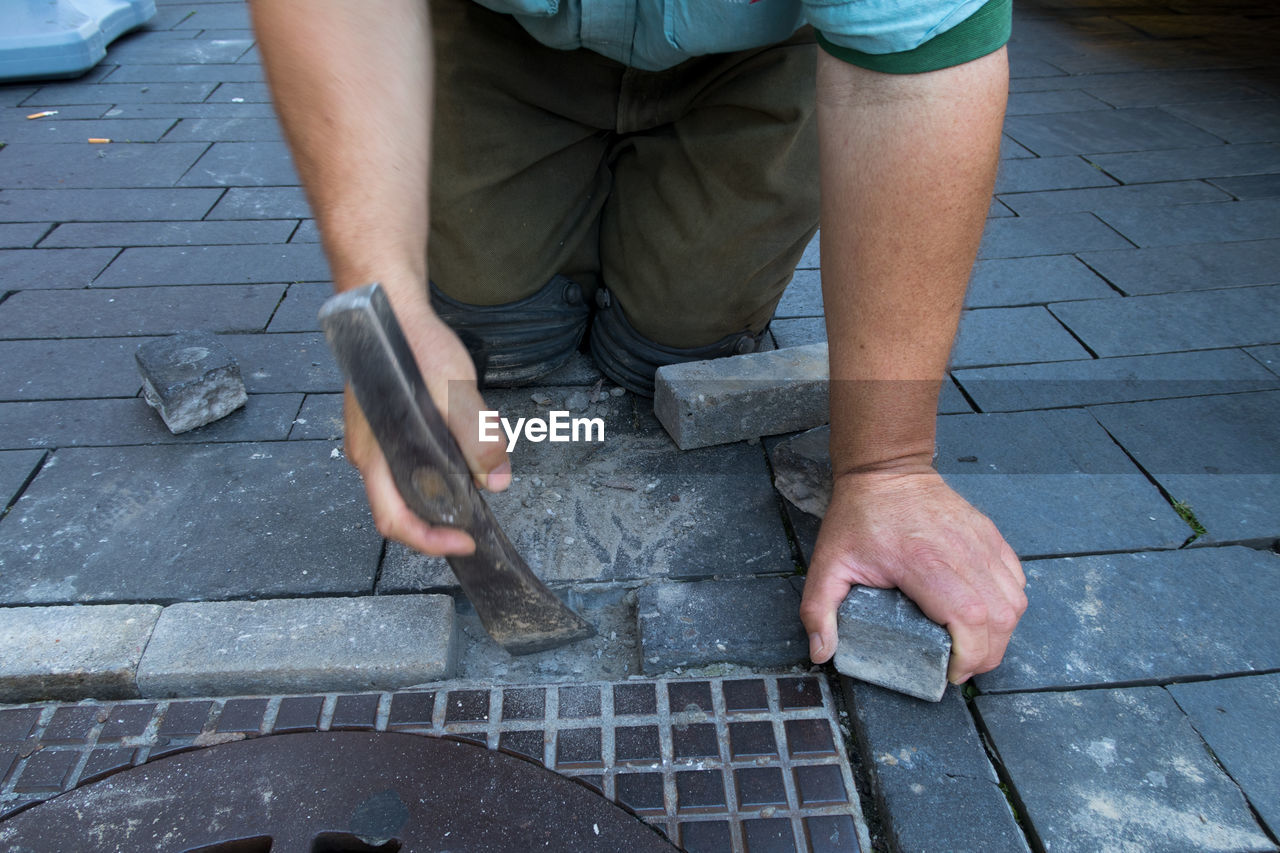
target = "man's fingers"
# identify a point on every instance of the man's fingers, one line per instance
(948, 599)
(823, 592)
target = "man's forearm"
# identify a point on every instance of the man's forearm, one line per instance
(908, 164)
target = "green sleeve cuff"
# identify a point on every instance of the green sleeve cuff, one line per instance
(983, 32)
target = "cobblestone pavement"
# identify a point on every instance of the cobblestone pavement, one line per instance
(1114, 406)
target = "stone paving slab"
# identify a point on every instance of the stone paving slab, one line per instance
(1236, 716)
(211, 72)
(16, 467)
(1221, 222)
(261, 203)
(1268, 357)
(189, 522)
(1037, 280)
(275, 364)
(1116, 769)
(1182, 164)
(1062, 101)
(1242, 316)
(226, 130)
(117, 166)
(113, 312)
(1114, 380)
(319, 418)
(1027, 175)
(179, 233)
(1011, 336)
(22, 236)
(190, 110)
(242, 164)
(122, 93)
(1059, 234)
(74, 368)
(68, 653)
(79, 131)
(1105, 131)
(803, 296)
(931, 777)
(1254, 186)
(221, 648)
(1111, 198)
(140, 49)
(300, 310)
(1221, 455)
(17, 205)
(1143, 618)
(1234, 121)
(1198, 267)
(215, 265)
(29, 269)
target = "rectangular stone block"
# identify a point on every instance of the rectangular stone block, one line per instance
(242, 164)
(215, 265)
(1191, 164)
(1198, 267)
(1055, 234)
(153, 51)
(71, 653)
(319, 418)
(191, 379)
(261, 203)
(300, 310)
(886, 640)
(219, 648)
(29, 269)
(124, 166)
(703, 403)
(754, 622)
(169, 234)
(123, 93)
(1103, 131)
(1012, 336)
(1033, 174)
(90, 205)
(1111, 198)
(226, 130)
(1028, 281)
(1220, 222)
(22, 235)
(16, 467)
(212, 73)
(77, 131)
(286, 363)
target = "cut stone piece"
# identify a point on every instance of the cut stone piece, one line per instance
(885, 639)
(191, 379)
(69, 653)
(802, 470)
(702, 403)
(300, 645)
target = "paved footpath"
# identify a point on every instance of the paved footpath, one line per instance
(1114, 406)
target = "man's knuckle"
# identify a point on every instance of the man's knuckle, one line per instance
(973, 614)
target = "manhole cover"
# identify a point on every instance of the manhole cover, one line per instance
(332, 791)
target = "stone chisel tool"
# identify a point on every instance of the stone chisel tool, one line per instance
(516, 608)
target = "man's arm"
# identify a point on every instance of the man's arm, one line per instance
(353, 85)
(908, 163)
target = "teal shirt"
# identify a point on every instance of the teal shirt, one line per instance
(897, 36)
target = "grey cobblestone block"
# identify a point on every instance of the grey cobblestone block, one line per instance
(225, 130)
(22, 236)
(296, 645)
(118, 166)
(123, 93)
(1139, 775)
(1010, 150)
(243, 92)
(262, 203)
(65, 113)
(242, 164)
(799, 331)
(1013, 335)
(308, 232)
(1169, 322)
(181, 233)
(1028, 281)
(886, 640)
(215, 265)
(191, 379)
(803, 296)
(1104, 131)
(185, 110)
(16, 466)
(723, 400)
(300, 310)
(1168, 88)
(929, 773)
(1060, 101)
(1255, 186)
(998, 210)
(284, 363)
(229, 515)
(18, 205)
(73, 652)
(108, 312)
(1268, 357)
(1190, 164)
(221, 16)
(1112, 198)
(1124, 618)
(1235, 121)
(210, 73)
(1058, 234)
(51, 131)
(1235, 716)
(1034, 174)
(1220, 455)
(177, 50)
(68, 369)
(1113, 380)
(1226, 222)
(749, 621)
(1199, 267)
(30, 269)
(319, 418)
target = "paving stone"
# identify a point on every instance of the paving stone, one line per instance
(1170, 322)
(162, 515)
(1054, 483)
(71, 653)
(1139, 776)
(169, 233)
(208, 73)
(106, 761)
(104, 205)
(1112, 198)
(300, 310)
(998, 210)
(803, 296)
(216, 16)
(65, 113)
(1255, 186)
(73, 723)
(127, 165)
(1013, 335)
(1010, 150)
(273, 364)
(1199, 267)
(750, 621)
(319, 418)
(47, 771)
(1165, 89)
(108, 312)
(1058, 234)
(144, 51)
(226, 130)
(1234, 121)
(186, 110)
(1113, 380)
(308, 232)
(244, 92)
(184, 719)
(298, 645)
(1150, 617)
(298, 714)
(1062, 101)
(242, 164)
(705, 403)
(355, 712)
(242, 716)
(1220, 455)
(123, 93)
(1225, 222)
(1235, 716)
(260, 203)
(930, 775)
(885, 639)
(1028, 281)
(27, 269)
(22, 236)
(1268, 357)
(802, 470)
(1104, 131)
(1182, 164)
(1048, 173)
(799, 331)
(79, 131)
(126, 721)
(190, 379)
(215, 265)
(617, 519)
(15, 467)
